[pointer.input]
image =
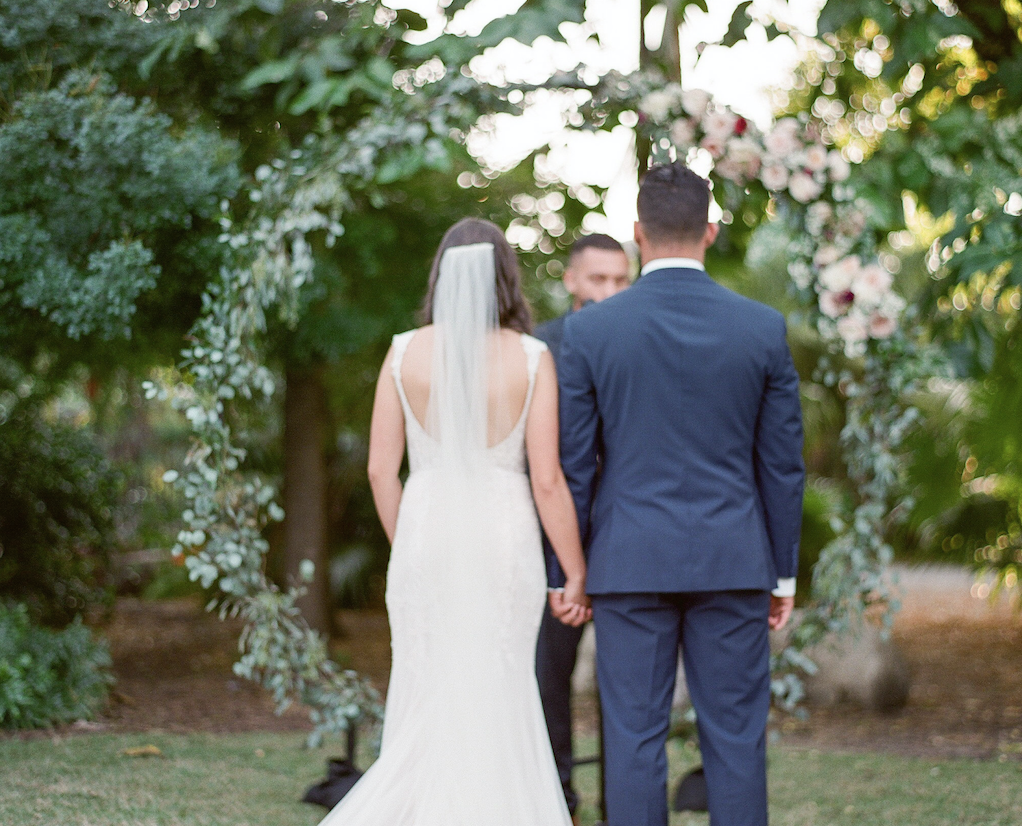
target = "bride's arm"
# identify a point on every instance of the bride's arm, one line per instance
(386, 448)
(550, 490)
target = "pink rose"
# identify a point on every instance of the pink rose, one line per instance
(835, 304)
(783, 139)
(882, 326)
(720, 124)
(714, 145)
(774, 176)
(816, 157)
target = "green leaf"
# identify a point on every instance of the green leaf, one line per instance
(313, 97)
(412, 20)
(739, 23)
(455, 6)
(679, 7)
(275, 71)
(535, 19)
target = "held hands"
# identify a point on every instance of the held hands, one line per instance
(780, 612)
(571, 605)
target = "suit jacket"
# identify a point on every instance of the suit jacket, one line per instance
(686, 396)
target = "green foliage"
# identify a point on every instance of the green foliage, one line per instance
(58, 491)
(49, 677)
(41, 41)
(99, 197)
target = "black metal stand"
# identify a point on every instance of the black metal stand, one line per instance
(341, 775)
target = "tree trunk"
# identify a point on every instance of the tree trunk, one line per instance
(305, 489)
(667, 59)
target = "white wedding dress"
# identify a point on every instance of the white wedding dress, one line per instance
(464, 738)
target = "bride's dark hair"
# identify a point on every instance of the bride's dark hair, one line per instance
(512, 308)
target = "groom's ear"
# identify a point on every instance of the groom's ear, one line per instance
(640, 235)
(712, 230)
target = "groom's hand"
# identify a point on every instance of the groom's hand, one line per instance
(780, 612)
(570, 613)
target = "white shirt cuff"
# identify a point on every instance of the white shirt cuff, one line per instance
(785, 587)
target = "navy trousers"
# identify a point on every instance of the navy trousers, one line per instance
(556, 652)
(724, 642)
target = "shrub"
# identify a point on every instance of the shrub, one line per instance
(56, 529)
(49, 677)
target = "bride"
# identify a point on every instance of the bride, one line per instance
(474, 397)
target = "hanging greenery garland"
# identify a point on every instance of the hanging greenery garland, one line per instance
(222, 545)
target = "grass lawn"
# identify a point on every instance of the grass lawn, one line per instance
(256, 780)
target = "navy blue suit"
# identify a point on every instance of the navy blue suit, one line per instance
(684, 394)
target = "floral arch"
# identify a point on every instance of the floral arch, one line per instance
(791, 173)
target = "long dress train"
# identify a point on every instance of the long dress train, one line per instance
(464, 738)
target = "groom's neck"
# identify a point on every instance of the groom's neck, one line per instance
(697, 252)
(657, 247)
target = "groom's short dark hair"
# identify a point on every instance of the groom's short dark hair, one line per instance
(673, 203)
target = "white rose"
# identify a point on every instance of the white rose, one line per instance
(838, 168)
(783, 139)
(774, 176)
(834, 304)
(816, 157)
(838, 277)
(695, 101)
(746, 153)
(826, 255)
(820, 212)
(871, 284)
(853, 331)
(657, 105)
(720, 124)
(851, 221)
(803, 188)
(683, 133)
(882, 326)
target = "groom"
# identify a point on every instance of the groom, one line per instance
(686, 396)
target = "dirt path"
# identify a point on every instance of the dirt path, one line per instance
(965, 656)
(173, 667)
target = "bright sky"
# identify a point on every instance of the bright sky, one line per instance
(740, 77)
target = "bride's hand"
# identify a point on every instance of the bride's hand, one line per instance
(571, 605)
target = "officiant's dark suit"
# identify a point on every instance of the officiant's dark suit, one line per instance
(597, 269)
(686, 395)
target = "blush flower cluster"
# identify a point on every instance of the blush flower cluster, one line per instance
(855, 300)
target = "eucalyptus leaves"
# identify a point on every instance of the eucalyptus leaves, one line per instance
(223, 370)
